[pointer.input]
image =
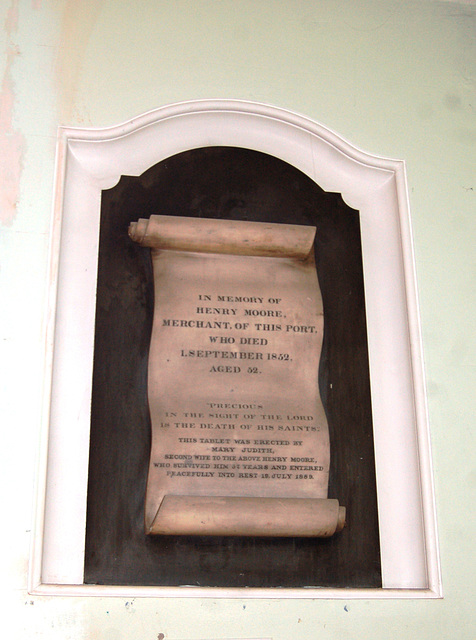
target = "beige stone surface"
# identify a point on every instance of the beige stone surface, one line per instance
(240, 442)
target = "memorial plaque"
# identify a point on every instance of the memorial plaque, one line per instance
(240, 442)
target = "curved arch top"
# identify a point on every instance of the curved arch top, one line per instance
(90, 160)
(320, 153)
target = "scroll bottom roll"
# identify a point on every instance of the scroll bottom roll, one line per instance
(240, 516)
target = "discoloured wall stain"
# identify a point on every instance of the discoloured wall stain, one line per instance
(77, 23)
(12, 142)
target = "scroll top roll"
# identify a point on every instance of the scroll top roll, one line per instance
(235, 237)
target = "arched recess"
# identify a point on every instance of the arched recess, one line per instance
(90, 161)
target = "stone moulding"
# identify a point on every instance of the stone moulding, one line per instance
(90, 160)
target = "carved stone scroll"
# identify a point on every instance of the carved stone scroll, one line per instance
(240, 442)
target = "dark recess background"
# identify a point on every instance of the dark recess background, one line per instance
(235, 184)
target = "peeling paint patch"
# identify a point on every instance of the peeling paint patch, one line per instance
(12, 142)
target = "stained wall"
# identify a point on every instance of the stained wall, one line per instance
(395, 78)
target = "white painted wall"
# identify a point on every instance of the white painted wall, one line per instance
(396, 79)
